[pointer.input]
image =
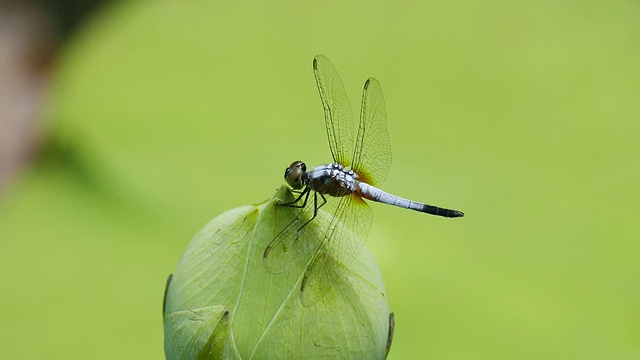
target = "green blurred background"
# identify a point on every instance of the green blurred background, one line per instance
(162, 115)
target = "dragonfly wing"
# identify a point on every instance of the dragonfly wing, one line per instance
(341, 243)
(372, 153)
(292, 242)
(337, 110)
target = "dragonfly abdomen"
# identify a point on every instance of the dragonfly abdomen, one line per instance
(374, 194)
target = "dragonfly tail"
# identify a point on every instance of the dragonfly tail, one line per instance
(438, 211)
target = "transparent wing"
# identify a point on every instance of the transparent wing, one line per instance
(372, 153)
(341, 243)
(294, 242)
(337, 110)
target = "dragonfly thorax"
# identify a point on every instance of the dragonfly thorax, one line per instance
(332, 179)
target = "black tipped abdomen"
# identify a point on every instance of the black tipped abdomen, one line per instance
(438, 211)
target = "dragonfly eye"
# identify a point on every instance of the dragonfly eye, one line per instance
(293, 174)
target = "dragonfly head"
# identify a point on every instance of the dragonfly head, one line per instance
(295, 174)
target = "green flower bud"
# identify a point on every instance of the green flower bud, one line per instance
(223, 303)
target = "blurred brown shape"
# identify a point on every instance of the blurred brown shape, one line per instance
(27, 45)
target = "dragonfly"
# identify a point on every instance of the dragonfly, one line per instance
(359, 164)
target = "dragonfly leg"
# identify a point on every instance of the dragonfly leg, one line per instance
(315, 210)
(324, 201)
(304, 203)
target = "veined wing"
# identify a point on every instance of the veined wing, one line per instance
(372, 153)
(341, 243)
(337, 110)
